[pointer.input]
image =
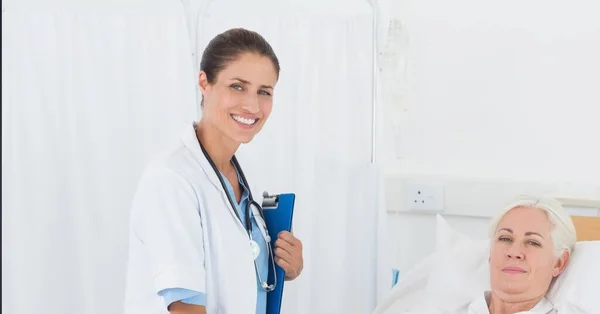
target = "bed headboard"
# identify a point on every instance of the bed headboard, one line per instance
(588, 228)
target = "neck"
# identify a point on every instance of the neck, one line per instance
(498, 306)
(220, 148)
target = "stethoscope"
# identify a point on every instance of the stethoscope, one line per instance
(258, 214)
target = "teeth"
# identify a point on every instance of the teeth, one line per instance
(243, 120)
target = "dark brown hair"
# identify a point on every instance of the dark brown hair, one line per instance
(229, 45)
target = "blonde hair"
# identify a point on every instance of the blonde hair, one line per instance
(563, 232)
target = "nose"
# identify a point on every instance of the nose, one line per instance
(251, 104)
(515, 252)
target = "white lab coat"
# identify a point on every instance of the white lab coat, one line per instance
(480, 306)
(184, 233)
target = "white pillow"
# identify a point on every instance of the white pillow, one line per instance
(458, 272)
(407, 295)
(461, 271)
(424, 289)
(576, 289)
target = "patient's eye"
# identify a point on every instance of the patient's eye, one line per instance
(504, 239)
(534, 243)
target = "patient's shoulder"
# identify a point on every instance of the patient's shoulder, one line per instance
(480, 304)
(544, 306)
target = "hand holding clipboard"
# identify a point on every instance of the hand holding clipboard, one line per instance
(279, 212)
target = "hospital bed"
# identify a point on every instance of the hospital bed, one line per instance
(457, 272)
(588, 228)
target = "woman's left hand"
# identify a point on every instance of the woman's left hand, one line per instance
(288, 254)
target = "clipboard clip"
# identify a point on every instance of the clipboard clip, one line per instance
(270, 201)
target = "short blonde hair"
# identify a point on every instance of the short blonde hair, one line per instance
(563, 231)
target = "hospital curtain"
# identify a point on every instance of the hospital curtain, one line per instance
(90, 91)
(317, 144)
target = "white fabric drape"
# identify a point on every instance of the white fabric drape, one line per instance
(89, 93)
(317, 143)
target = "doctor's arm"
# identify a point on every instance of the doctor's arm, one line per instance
(182, 308)
(166, 219)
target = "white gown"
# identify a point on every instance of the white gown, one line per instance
(480, 306)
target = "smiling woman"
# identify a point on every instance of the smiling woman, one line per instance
(190, 250)
(238, 101)
(531, 242)
(239, 71)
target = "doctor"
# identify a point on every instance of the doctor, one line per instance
(198, 243)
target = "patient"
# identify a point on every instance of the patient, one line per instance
(531, 242)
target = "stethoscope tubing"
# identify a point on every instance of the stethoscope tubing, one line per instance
(248, 220)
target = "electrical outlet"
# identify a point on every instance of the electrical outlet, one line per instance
(423, 197)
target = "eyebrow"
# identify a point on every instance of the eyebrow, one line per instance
(533, 233)
(526, 233)
(246, 82)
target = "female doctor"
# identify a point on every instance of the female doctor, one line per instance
(198, 243)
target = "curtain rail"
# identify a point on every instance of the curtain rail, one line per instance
(374, 108)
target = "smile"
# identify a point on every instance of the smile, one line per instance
(242, 120)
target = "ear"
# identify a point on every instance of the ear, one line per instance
(203, 82)
(561, 263)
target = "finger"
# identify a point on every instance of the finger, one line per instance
(286, 235)
(284, 245)
(283, 254)
(290, 238)
(284, 264)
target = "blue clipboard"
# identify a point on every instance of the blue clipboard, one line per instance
(279, 212)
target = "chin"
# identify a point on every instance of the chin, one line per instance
(510, 290)
(244, 139)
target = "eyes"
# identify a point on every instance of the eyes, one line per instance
(528, 242)
(239, 88)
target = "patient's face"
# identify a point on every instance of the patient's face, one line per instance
(522, 257)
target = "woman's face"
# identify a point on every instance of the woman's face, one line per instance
(522, 257)
(241, 98)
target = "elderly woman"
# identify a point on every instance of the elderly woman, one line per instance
(531, 241)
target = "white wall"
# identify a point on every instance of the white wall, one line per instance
(469, 204)
(499, 97)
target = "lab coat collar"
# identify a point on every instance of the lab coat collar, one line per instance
(191, 142)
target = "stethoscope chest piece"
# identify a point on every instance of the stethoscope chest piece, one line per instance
(255, 249)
